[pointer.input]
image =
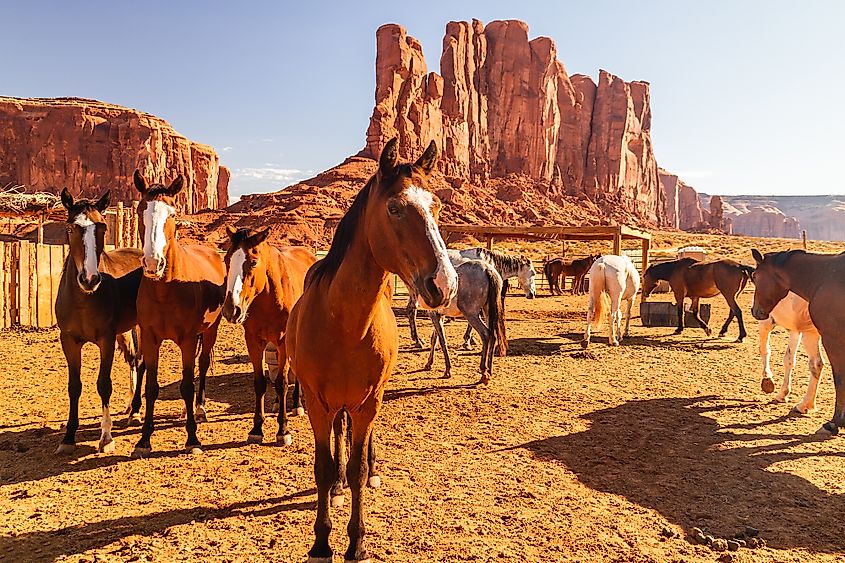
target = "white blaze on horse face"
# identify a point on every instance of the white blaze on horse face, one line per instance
(155, 241)
(445, 277)
(235, 277)
(89, 244)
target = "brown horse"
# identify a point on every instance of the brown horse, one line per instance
(96, 303)
(342, 339)
(819, 280)
(578, 268)
(180, 299)
(262, 285)
(690, 278)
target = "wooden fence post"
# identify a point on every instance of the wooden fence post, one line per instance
(646, 248)
(617, 241)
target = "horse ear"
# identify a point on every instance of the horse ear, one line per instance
(428, 159)
(176, 185)
(757, 256)
(230, 230)
(140, 182)
(103, 203)
(67, 199)
(389, 159)
(259, 237)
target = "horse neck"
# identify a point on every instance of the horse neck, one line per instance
(174, 253)
(801, 276)
(276, 276)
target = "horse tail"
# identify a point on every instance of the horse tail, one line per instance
(547, 269)
(598, 296)
(495, 312)
(748, 271)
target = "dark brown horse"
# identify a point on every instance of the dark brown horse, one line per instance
(578, 268)
(342, 339)
(96, 303)
(262, 285)
(180, 299)
(690, 278)
(819, 279)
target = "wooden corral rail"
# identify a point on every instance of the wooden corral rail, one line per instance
(122, 226)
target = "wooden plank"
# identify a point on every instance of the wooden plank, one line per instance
(118, 232)
(5, 268)
(44, 295)
(617, 242)
(13, 282)
(646, 247)
(24, 283)
(56, 263)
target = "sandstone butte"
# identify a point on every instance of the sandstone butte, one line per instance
(523, 142)
(89, 146)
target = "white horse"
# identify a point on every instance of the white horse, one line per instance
(613, 278)
(793, 314)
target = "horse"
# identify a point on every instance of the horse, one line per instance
(507, 265)
(479, 291)
(341, 337)
(819, 280)
(690, 278)
(180, 299)
(578, 268)
(615, 278)
(96, 303)
(793, 314)
(262, 285)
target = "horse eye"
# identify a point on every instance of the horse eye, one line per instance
(394, 210)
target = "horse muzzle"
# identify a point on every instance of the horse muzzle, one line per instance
(88, 285)
(758, 313)
(154, 268)
(233, 313)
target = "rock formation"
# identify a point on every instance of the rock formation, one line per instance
(503, 105)
(89, 146)
(766, 221)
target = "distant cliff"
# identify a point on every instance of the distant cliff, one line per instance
(88, 146)
(822, 216)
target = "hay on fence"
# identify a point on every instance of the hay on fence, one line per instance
(14, 201)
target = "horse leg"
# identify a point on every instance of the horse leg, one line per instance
(768, 383)
(281, 384)
(325, 476)
(72, 349)
(255, 349)
(811, 345)
(468, 341)
(591, 314)
(298, 409)
(680, 295)
(474, 320)
(738, 313)
(135, 416)
(340, 430)
(836, 355)
(188, 348)
(629, 303)
(104, 388)
(615, 319)
(149, 349)
(695, 308)
(127, 349)
(789, 357)
(357, 472)
(374, 479)
(411, 310)
(209, 337)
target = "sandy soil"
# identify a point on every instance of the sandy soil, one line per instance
(564, 457)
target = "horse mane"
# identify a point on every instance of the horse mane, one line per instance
(663, 270)
(504, 261)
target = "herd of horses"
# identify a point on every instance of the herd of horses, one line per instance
(333, 323)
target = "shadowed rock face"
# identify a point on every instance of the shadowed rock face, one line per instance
(89, 146)
(503, 104)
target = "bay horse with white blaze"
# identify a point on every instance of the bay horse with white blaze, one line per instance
(96, 303)
(819, 279)
(180, 299)
(342, 339)
(690, 278)
(262, 285)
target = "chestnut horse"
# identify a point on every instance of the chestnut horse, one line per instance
(180, 299)
(96, 303)
(819, 280)
(342, 340)
(578, 268)
(262, 285)
(690, 278)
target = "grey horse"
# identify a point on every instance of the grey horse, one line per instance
(507, 265)
(479, 292)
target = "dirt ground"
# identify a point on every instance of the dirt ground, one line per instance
(563, 457)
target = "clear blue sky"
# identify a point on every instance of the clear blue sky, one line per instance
(747, 97)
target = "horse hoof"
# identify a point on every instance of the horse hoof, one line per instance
(795, 411)
(254, 438)
(678, 332)
(319, 559)
(200, 414)
(614, 343)
(193, 450)
(300, 411)
(367, 560)
(584, 344)
(722, 334)
(427, 367)
(767, 385)
(447, 375)
(65, 449)
(708, 332)
(740, 340)
(140, 453)
(374, 482)
(337, 501)
(106, 447)
(828, 429)
(134, 420)
(284, 439)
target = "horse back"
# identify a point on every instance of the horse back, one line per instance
(201, 263)
(120, 262)
(296, 261)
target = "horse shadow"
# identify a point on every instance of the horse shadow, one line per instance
(667, 455)
(48, 546)
(648, 341)
(536, 346)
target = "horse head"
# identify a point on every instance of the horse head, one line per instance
(770, 282)
(246, 271)
(157, 221)
(401, 226)
(86, 232)
(527, 275)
